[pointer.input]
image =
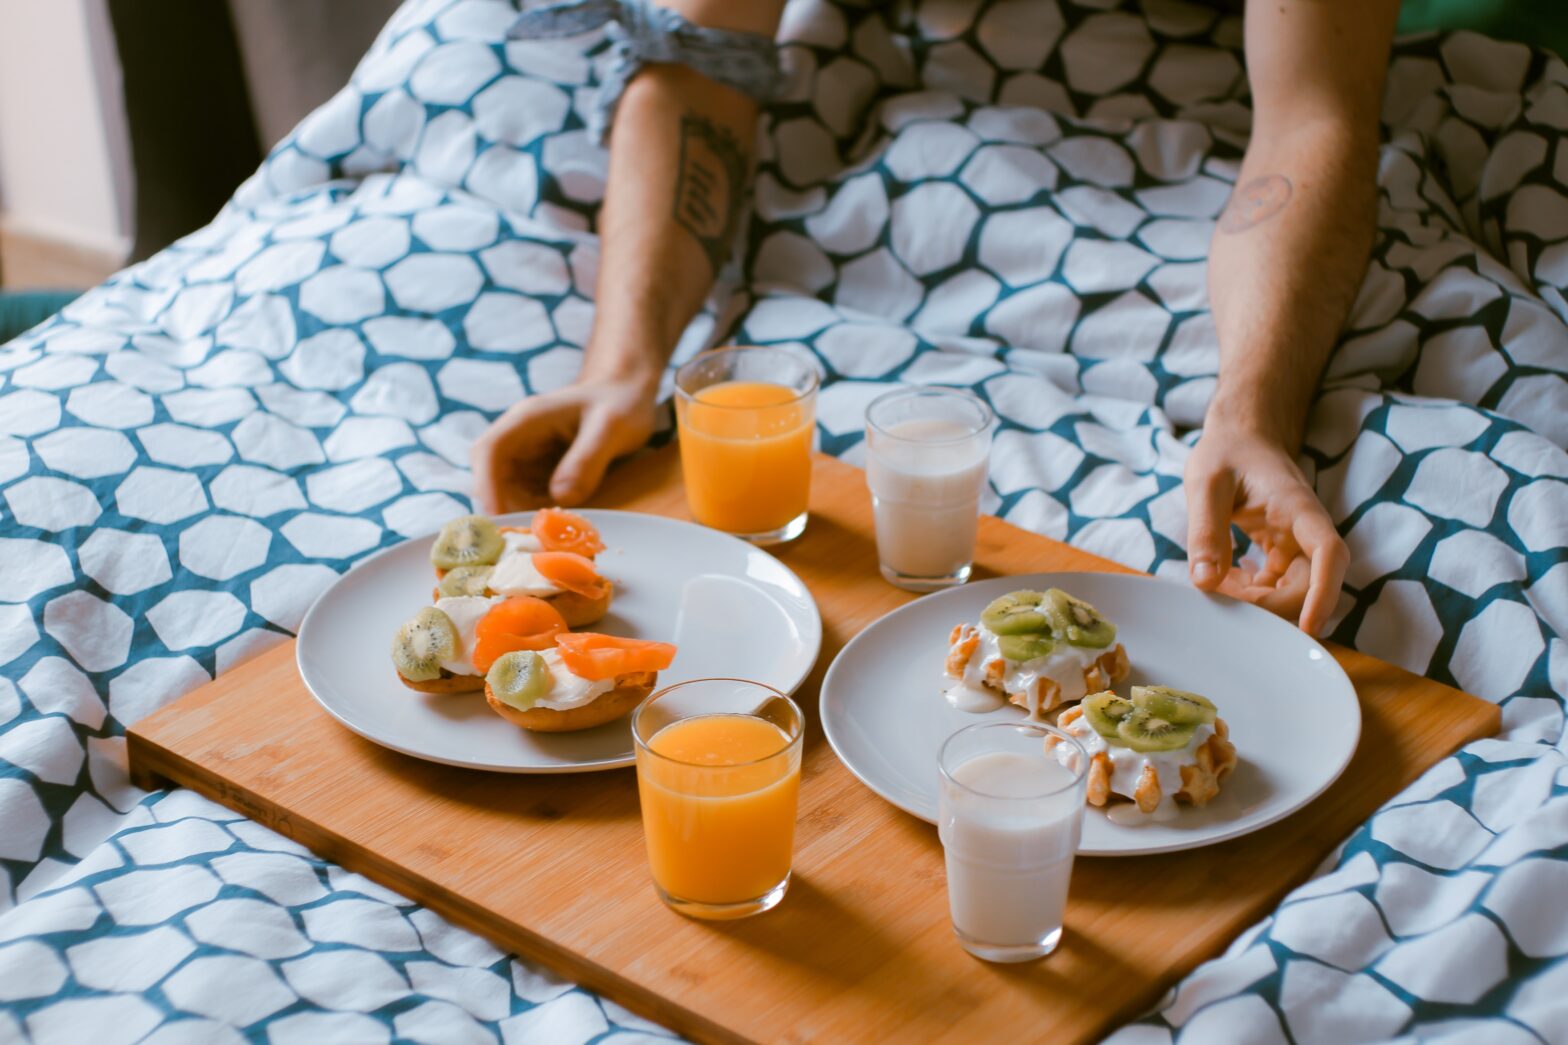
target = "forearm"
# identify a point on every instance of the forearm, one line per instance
(1288, 257)
(680, 154)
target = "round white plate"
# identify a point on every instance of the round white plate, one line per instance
(731, 609)
(1292, 711)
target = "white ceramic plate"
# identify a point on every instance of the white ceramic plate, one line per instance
(1292, 711)
(731, 609)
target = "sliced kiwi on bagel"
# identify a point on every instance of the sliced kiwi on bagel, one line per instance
(1142, 731)
(421, 644)
(1105, 711)
(469, 540)
(1076, 622)
(1023, 648)
(1175, 705)
(1016, 613)
(465, 580)
(520, 679)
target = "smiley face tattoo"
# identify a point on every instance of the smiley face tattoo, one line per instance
(1255, 202)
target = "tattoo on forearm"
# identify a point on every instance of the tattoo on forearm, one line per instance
(1255, 202)
(710, 185)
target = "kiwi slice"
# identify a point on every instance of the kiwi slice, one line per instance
(1025, 647)
(1142, 731)
(422, 644)
(470, 540)
(519, 678)
(1079, 623)
(1017, 613)
(1105, 710)
(1175, 705)
(465, 580)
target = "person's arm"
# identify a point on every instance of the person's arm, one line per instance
(1288, 256)
(680, 155)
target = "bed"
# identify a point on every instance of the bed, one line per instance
(1013, 197)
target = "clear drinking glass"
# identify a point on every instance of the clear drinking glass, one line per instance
(746, 418)
(1009, 815)
(926, 454)
(718, 776)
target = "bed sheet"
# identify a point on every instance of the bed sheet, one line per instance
(1011, 196)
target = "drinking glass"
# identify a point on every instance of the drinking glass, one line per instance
(1010, 812)
(718, 775)
(926, 454)
(746, 418)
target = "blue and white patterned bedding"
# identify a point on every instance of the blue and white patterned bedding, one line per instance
(1011, 196)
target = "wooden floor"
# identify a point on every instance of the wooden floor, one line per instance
(29, 261)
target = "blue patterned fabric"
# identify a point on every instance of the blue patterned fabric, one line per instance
(640, 32)
(1011, 196)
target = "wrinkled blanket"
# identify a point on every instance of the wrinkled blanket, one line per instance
(1014, 197)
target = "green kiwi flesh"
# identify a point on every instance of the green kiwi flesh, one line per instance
(421, 644)
(1025, 647)
(1077, 622)
(1016, 613)
(1142, 731)
(469, 540)
(519, 678)
(1105, 710)
(465, 580)
(1175, 705)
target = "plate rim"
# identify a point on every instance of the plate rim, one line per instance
(1147, 850)
(509, 518)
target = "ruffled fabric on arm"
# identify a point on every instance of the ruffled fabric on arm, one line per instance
(641, 32)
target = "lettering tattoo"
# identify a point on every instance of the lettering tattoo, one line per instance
(710, 186)
(1255, 202)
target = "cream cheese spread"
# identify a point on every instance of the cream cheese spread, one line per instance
(567, 690)
(514, 572)
(464, 612)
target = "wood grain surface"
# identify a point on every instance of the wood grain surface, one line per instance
(861, 949)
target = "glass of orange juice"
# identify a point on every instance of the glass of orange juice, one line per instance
(746, 418)
(718, 774)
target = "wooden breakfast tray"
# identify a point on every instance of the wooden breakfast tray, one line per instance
(552, 867)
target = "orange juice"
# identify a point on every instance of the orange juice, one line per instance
(718, 807)
(746, 454)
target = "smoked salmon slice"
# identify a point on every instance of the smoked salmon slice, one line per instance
(559, 530)
(571, 572)
(520, 623)
(594, 657)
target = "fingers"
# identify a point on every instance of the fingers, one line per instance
(584, 463)
(1320, 541)
(481, 462)
(1281, 595)
(507, 473)
(1284, 596)
(1210, 500)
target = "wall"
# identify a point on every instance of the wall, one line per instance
(65, 189)
(68, 203)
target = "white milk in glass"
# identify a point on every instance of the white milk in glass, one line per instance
(1009, 855)
(926, 475)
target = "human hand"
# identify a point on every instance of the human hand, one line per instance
(555, 447)
(1241, 477)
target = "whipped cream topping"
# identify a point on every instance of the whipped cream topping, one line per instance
(1127, 765)
(464, 612)
(1064, 665)
(514, 572)
(974, 698)
(567, 690)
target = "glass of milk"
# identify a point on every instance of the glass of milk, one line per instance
(926, 452)
(1009, 815)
